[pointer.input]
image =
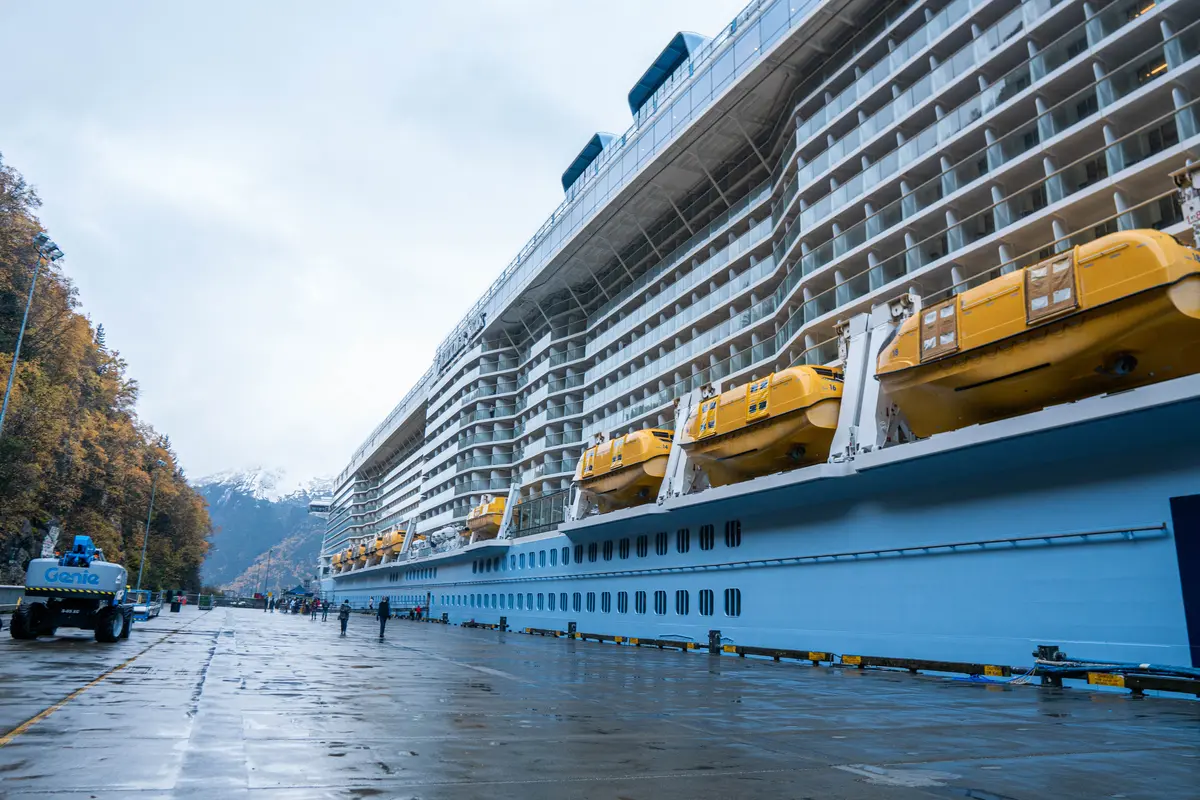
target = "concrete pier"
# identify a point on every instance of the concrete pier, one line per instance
(235, 703)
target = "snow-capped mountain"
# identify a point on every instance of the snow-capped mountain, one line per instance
(255, 511)
(263, 483)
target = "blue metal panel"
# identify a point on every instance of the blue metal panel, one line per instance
(677, 51)
(586, 156)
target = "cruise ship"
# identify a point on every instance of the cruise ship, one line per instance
(876, 331)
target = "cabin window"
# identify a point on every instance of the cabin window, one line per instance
(510, 601)
(708, 537)
(487, 566)
(554, 558)
(639, 602)
(493, 601)
(550, 597)
(608, 550)
(622, 602)
(592, 551)
(566, 556)
(683, 540)
(1050, 288)
(660, 602)
(706, 602)
(733, 602)
(529, 600)
(623, 548)
(578, 554)
(542, 558)
(591, 602)
(513, 562)
(503, 563)
(522, 561)
(606, 602)
(474, 567)
(939, 329)
(643, 546)
(660, 543)
(541, 601)
(502, 603)
(681, 602)
(562, 601)
(521, 601)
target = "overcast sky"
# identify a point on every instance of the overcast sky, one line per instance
(278, 209)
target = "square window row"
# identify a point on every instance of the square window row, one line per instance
(581, 601)
(596, 551)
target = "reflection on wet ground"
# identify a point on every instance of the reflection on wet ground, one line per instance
(237, 703)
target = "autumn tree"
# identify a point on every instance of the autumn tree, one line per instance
(73, 454)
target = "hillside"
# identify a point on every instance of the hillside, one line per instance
(254, 511)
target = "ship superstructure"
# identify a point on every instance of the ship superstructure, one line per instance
(791, 191)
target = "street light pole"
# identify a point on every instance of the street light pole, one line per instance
(146, 534)
(267, 572)
(48, 250)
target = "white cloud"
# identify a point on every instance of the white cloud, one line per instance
(279, 209)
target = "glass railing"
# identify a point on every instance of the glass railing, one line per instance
(1061, 117)
(1053, 56)
(670, 262)
(692, 281)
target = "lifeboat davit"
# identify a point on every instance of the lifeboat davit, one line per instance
(484, 520)
(783, 421)
(360, 556)
(626, 471)
(1119, 312)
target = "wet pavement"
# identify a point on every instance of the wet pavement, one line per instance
(242, 704)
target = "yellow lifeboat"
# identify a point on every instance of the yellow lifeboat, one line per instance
(484, 519)
(1116, 313)
(392, 544)
(626, 471)
(336, 563)
(360, 556)
(348, 559)
(375, 551)
(783, 421)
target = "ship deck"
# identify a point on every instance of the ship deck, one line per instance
(237, 703)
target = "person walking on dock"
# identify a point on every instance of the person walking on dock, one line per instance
(371, 603)
(313, 609)
(324, 610)
(385, 611)
(344, 615)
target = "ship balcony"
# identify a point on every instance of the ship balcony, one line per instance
(704, 310)
(552, 440)
(635, 294)
(1043, 69)
(489, 434)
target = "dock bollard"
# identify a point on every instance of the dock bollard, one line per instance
(445, 617)
(504, 623)
(714, 642)
(571, 629)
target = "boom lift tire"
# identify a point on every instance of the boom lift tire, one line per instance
(109, 623)
(40, 620)
(19, 626)
(127, 623)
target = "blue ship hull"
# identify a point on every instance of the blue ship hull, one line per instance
(980, 553)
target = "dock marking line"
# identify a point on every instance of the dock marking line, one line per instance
(8, 738)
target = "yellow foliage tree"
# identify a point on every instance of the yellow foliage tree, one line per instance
(73, 453)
